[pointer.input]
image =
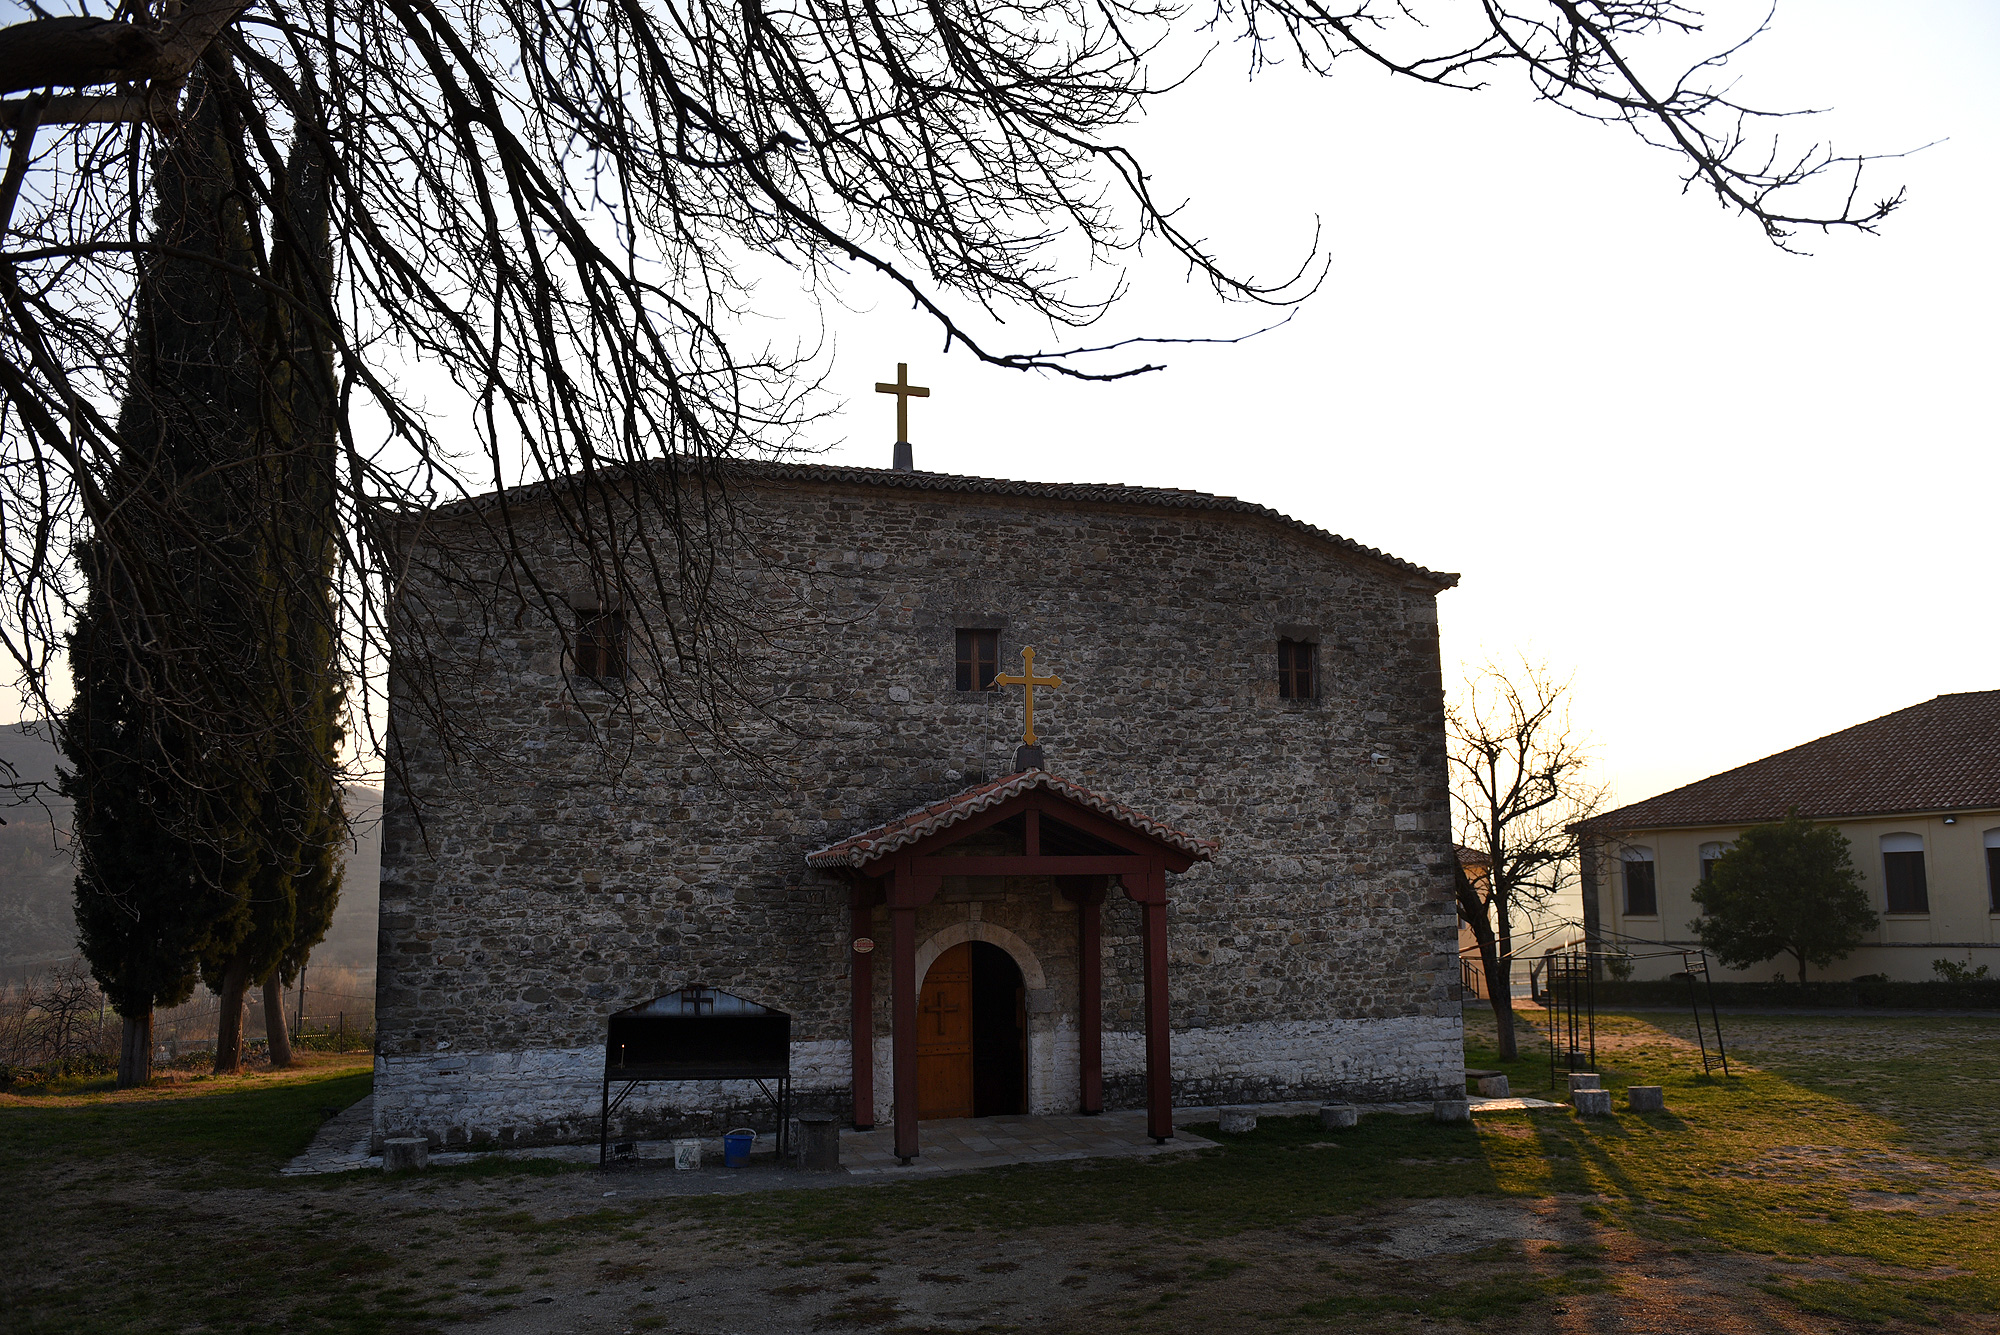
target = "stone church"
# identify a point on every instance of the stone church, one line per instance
(1218, 871)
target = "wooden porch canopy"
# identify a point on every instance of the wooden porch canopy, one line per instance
(1080, 838)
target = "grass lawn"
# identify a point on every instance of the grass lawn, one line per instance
(1842, 1179)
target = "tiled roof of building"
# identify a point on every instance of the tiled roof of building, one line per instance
(858, 850)
(1471, 857)
(1942, 755)
(1168, 498)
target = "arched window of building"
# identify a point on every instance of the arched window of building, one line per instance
(1710, 854)
(1642, 899)
(1903, 873)
(1993, 870)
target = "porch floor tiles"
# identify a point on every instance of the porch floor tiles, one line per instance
(955, 1144)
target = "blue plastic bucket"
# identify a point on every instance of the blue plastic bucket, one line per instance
(736, 1147)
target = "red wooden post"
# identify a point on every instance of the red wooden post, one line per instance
(904, 1019)
(1159, 1051)
(1090, 1000)
(861, 1039)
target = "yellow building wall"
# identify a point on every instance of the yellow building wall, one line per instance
(1960, 925)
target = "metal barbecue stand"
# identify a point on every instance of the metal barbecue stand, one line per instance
(697, 1033)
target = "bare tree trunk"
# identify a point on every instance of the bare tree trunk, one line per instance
(229, 1023)
(274, 1022)
(1502, 990)
(1499, 989)
(1500, 996)
(135, 1052)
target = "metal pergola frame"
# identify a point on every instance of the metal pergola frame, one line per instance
(1572, 1005)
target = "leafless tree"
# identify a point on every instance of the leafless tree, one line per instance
(52, 1019)
(1520, 777)
(563, 205)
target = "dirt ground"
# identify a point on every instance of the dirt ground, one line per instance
(518, 1252)
(1350, 1273)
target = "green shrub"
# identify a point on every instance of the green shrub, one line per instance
(1873, 991)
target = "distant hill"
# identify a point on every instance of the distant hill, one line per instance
(37, 924)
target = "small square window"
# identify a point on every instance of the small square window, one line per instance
(600, 645)
(1295, 670)
(978, 659)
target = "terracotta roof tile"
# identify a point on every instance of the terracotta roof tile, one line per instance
(1942, 755)
(857, 850)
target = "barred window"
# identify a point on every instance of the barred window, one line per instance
(1992, 842)
(1710, 855)
(1642, 894)
(978, 659)
(1295, 670)
(600, 645)
(1903, 873)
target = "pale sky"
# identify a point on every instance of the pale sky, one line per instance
(1747, 497)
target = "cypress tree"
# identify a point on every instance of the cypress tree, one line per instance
(293, 666)
(206, 726)
(162, 847)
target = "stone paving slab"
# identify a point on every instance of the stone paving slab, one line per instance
(342, 1143)
(953, 1145)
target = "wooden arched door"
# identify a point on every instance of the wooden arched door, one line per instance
(944, 1036)
(972, 1035)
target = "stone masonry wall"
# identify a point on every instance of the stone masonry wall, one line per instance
(584, 857)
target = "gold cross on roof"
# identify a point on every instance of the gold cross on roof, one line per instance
(904, 392)
(1031, 681)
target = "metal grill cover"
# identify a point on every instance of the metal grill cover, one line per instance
(698, 1033)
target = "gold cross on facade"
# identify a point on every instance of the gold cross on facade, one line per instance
(904, 392)
(1031, 681)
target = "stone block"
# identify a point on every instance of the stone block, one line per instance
(400, 1153)
(1238, 1121)
(1592, 1102)
(1585, 1080)
(1339, 1116)
(1451, 1110)
(1646, 1098)
(1493, 1087)
(818, 1144)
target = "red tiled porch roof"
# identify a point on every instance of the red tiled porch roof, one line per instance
(858, 850)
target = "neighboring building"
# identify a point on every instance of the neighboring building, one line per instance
(1916, 792)
(1267, 694)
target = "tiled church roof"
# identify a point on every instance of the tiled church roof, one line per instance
(1107, 493)
(858, 850)
(1942, 755)
(1167, 498)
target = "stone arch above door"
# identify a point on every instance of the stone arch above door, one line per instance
(961, 932)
